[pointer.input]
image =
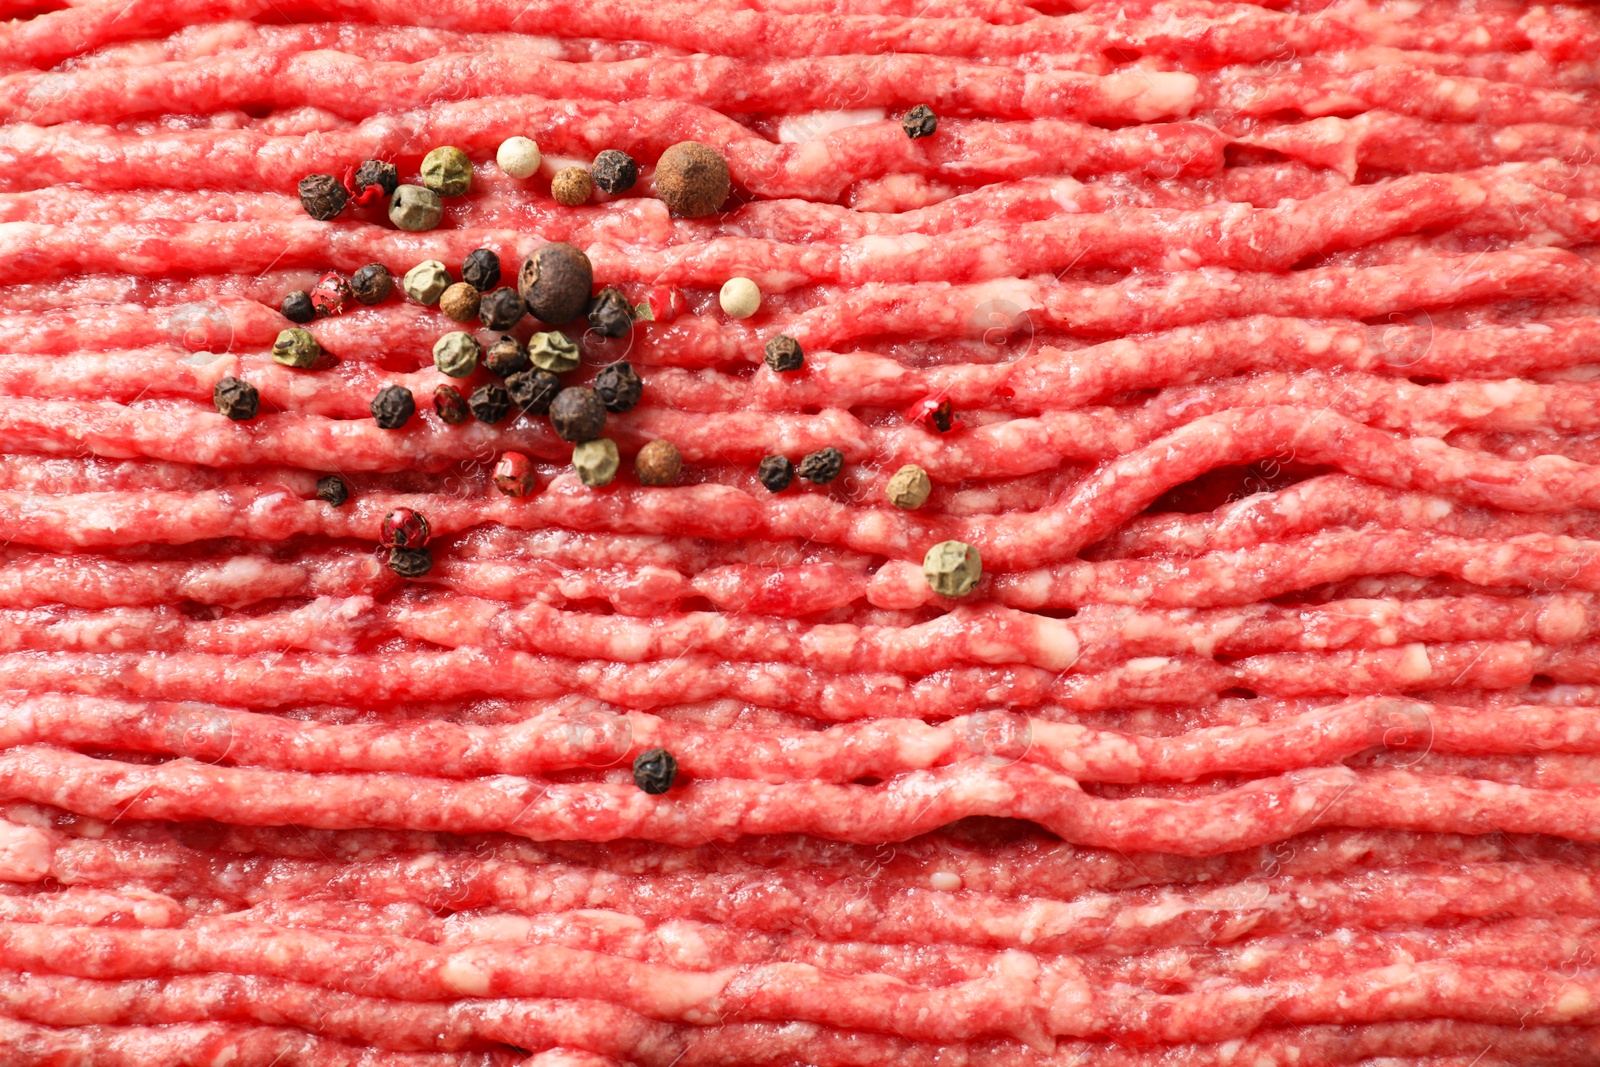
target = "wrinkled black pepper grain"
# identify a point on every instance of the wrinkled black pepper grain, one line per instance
(377, 172)
(654, 770)
(775, 473)
(610, 314)
(821, 466)
(501, 309)
(533, 390)
(236, 399)
(332, 489)
(393, 407)
(920, 121)
(410, 562)
(297, 307)
(614, 172)
(481, 269)
(783, 354)
(372, 284)
(323, 196)
(577, 415)
(450, 405)
(490, 403)
(506, 357)
(618, 387)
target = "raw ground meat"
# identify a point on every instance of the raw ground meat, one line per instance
(1269, 736)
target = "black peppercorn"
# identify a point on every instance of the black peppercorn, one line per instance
(775, 473)
(393, 407)
(784, 354)
(450, 405)
(236, 399)
(614, 172)
(501, 309)
(920, 121)
(555, 282)
(377, 172)
(410, 562)
(490, 403)
(297, 307)
(481, 270)
(372, 284)
(506, 357)
(618, 387)
(577, 415)
(610, 314)
(821, 466)
(654, 771)
(333, 490)
(533, 390)
(322, 196)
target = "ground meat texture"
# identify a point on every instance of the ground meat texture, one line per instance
(1263, 394)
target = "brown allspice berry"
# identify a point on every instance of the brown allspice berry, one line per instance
(460, 302)
(658, 463)
(572, 186)
(555, 283)
(692, 179)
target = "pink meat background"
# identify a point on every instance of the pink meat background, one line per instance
(1271, 737)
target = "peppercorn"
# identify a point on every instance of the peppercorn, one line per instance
(554, 352)
(372, 284)
(692, 179)
(513, 475)
(296, 348)
(614, 172)
(821, 466)
(740, 297)
(533, 390)
(572, 187)
(596, 462)
(784, 354)
(920, 121)
(322, 196)
(377, 172)
(618, 387)
(447, 171)
(456, 353)
(909, 487)
(404, 528)
(654, 771)
(481, 269)
(459, 302)
(506, 357)
(555, 282)
(236, 399)
(775, 472)
(450, 405)
(952, 568)
(501, 309)
(518, 157)
(331, 488)
(658, 463)
(577, 414)
(297, 307)
(490, 403)
(415, 209)
(426, 282)
(393, 407)
(663, 303)
(331, 294)
(610, 314)
(410, 562)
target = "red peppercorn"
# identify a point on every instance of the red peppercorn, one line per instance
(404, 528)
(666, 303)
(331, 294)
(935, 411)
(513, 475)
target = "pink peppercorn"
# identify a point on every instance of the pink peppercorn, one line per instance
(934, 410)
(513, 475)
(666, 303)
(404, 528)
(331, 294)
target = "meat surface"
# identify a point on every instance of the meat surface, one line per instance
(1251, 345)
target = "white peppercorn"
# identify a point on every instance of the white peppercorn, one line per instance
(740, 297)
(518, 157)
(909, 487)
(426, 282)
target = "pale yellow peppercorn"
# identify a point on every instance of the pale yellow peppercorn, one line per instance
(740, 298)
(596, 461)
(909, 487)
(952, 568)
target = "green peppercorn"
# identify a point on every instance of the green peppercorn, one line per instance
(332, 489)
(533, 390)
(410, 562)
(296, 348)
(555, 283)
(775, 472)
(450, 405)
(506, 357)
(236, 399)
(393, 407)
(596, 461)
(456, 353)
(554, 352)
(481, 269)
(952, 568)
(501, 309)
(783, 354)
(323, 196)
(447, 171)
(426, 282)
(614, 172)
(577, 415)
(821, 466)
(297, 307)
(654, 771)
(490, 403)
(415, 209)
(372, 284)
(610, 314)
(920, 121)
(618, 387)
(377, 172)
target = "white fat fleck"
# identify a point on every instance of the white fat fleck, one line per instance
(25, 853)
(1575, 1001)
(1147, 664)
(464, 976)
(945, 881)
(1058, 645)
(808, 126)
(225, 1056)
(1414, 663)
